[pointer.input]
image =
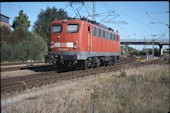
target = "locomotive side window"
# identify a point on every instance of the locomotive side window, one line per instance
(103, 33)
(111, 36)
(116, 38)
(94, 31)
(107, 35)
(99, 32)
(56, 28)
(72, 28)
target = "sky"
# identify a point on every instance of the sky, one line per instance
(133, 20)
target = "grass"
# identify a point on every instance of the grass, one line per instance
(139, 90)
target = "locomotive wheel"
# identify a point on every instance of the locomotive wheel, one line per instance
(94, 63)
(102, 62)
(61, 67)
(85, 64)
(82, 65)
(98, 62)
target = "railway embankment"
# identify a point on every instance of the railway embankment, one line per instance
(143, 88)
(137, 89)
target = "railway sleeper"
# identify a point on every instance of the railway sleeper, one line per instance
(31, 84)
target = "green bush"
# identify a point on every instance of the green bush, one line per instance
(37, 47)
(33, 47)
(6, 51)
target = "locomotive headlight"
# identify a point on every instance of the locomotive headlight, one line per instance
(52, 44)
(75, 44)
(58, 37)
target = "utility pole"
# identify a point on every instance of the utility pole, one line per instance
(147, 53)
(93, 10)
(153, 46)
(145, 49)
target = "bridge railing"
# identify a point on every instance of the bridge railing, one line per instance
(145, 40)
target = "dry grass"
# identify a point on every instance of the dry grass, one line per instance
(141, 90)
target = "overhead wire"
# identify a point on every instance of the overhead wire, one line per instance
(125, 14)
(160, 12)
(21, 8)
(111, 20)
(119, 17)
(74, 10)
(128, 16)
(145, 12)
(157, 19)
(77, 10)
(66, 6)
(106, 17)
(87, 10)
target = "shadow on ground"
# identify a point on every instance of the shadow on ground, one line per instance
(40, 68)
(48, 68)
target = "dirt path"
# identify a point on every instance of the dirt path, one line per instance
(17, 73)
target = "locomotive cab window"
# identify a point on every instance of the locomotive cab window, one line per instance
(72, 28)
(56, 28)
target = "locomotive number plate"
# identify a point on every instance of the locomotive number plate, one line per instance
(62, 49)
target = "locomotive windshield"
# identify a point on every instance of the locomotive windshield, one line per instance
(56, 29)
(72, 28)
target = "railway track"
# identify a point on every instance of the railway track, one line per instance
(19, 66)
(11, 86)
(19, 63)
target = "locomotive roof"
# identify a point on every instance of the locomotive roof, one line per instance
(92, 22)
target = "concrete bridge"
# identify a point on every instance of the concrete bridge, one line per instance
(159, 42)
(144, 42)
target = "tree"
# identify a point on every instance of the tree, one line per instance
(42, 25)
(19, 35)
(5, 34)
(156, 52)
(37, 47)
(21, 21)
(131, 50)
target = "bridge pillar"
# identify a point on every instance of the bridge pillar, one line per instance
(160, 50)
(147, 54)
(127, 52)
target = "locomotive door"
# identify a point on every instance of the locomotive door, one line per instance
(89, 40)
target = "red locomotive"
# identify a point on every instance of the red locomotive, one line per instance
(78, 42)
